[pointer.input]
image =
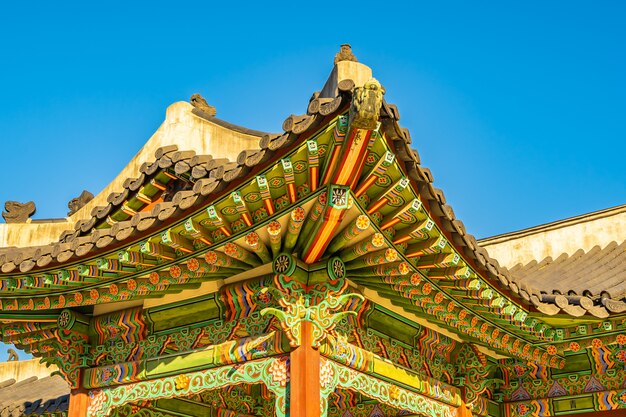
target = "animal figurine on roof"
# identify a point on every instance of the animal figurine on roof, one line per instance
(12, 355)
(18, 212)
(201, 104)
(345, 54)
(366, 104)
(79, 202)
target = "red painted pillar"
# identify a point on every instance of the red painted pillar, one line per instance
(79, 401)
(304, 379)
(463, 411)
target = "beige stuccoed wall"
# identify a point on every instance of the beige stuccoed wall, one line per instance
(20, 370)
(32, 234)
(566, 236)
(189, 132)
(346, 70)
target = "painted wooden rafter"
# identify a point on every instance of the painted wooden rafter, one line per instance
(198, 232)
(289, 178)
(218, 222)
(323, 227)
(335, 146)
(241, 207)
(266, 196)
(438, 256)
(313, 163)
(375, 173)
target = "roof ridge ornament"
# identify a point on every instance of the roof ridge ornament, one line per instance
(12, 355)
(345, 54)
(79, 202)
(201, 104)
(17, 212)
(366, 104)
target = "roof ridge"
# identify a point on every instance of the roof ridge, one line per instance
(557, 224)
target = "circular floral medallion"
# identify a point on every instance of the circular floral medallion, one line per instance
(273, 228)
(252, 239)
(154, 278)
(210, 257)
(175, 272)
(516, 344)
(230, 249)
(391, 255)
(378, 240)
(439, 297)
(193, 264)
(282, 264)
(338, 268)
(64, 319)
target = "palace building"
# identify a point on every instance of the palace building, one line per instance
(316, 272)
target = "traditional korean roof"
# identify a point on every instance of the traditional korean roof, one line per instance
(577, 265)
(48, 396)
(27, 389)
(341, 181)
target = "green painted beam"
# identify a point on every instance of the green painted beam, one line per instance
(230, 352)
(184, 313)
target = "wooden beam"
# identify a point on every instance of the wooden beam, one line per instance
(323, 228)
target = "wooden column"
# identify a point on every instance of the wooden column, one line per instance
(79, 401)
(304, 379)
(463, 411)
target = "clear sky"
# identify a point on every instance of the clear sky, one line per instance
(518, 108)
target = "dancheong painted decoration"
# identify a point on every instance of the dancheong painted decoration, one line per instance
(314, 272)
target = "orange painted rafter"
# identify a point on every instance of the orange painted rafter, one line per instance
(376, 172)
(334, 148)
(217, 221)
(290, 179)
(327, 224)
(241, 207)
(264, 190)
(403, 214)
(353, 153)
(313, 162)
(392, 193)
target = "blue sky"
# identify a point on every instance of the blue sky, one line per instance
(517, 107)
